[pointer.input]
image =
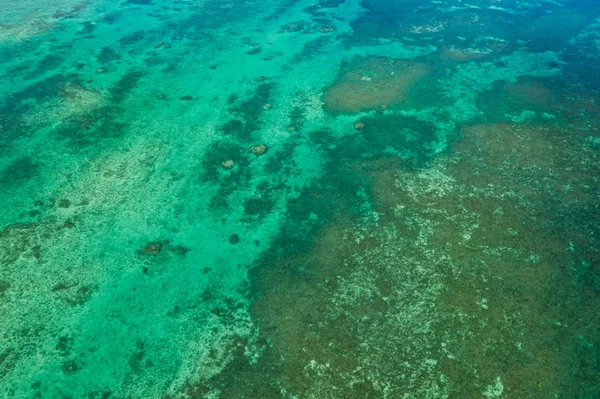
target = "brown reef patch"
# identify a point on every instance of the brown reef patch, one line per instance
(466, 276)
(369, 83)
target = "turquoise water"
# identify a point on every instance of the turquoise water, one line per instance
(298, 199)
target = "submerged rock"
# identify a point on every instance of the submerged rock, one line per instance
(259, 149)
(228, 164)
(234, 239)
(153, 248)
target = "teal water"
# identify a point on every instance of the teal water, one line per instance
(423, 220)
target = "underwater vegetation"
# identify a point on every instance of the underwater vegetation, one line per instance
(299, 199)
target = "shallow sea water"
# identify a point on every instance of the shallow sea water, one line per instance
(424, 222)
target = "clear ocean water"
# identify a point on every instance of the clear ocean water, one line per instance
(300, 199)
